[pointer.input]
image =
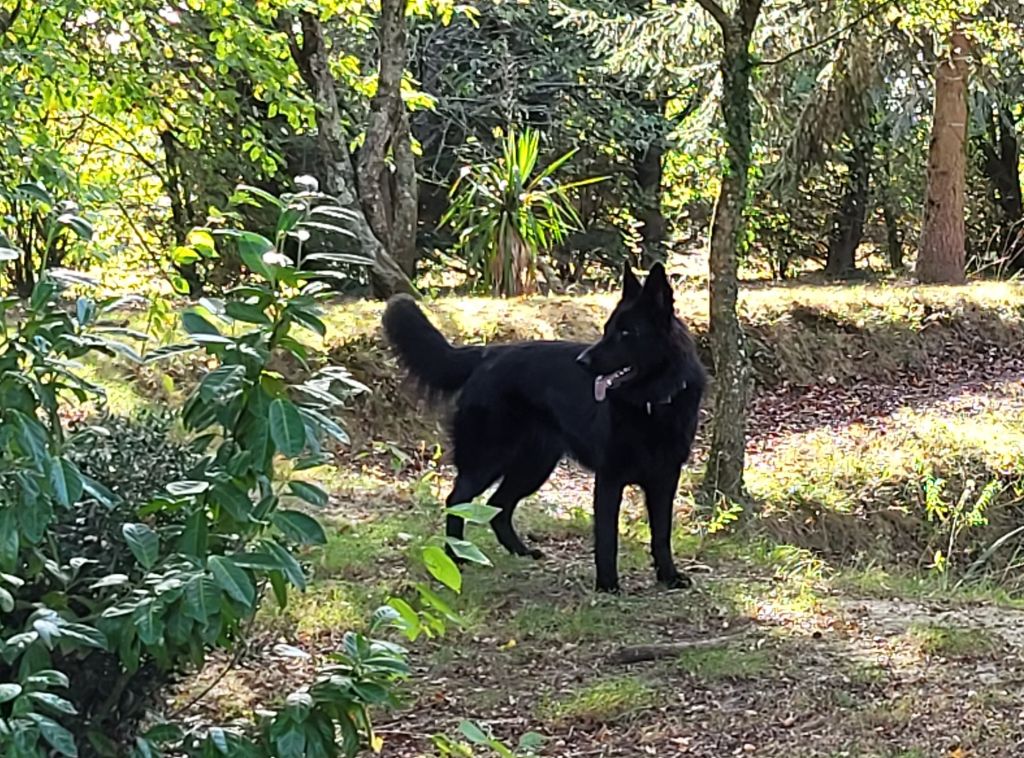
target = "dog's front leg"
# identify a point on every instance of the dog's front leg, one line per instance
(607, 499)
(660, 498)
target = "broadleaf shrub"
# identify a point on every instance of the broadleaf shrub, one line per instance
(125, 556)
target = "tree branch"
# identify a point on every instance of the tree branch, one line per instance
(749, 11)
(828, 37)
(672, 649)
(8, 19)
(717, 13)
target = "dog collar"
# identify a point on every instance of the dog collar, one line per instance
(667, 401)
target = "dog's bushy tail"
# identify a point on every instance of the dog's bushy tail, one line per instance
(437, 365)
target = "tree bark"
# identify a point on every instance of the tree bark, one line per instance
(647, 170)
(1000, 153)
(723, 476)
(941, 254)
(848, 220)
(389, 200)
(334, 162)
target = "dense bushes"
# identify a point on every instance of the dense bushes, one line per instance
(126, 556)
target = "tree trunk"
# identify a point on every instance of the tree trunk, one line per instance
(848, 220)
(893, 233)
(334, 162)
(724, 474)
(1000, 151)
(647, 170)
(182, 216)
(389, 200)
(891, 211)
(941, 254)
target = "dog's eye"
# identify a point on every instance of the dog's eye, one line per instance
(625, 333)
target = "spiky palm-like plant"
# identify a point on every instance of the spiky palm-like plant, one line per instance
(510, 211)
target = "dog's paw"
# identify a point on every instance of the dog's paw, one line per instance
(535, 553)
(676, 581)
(610, 589)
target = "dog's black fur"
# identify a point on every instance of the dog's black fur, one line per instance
(522, 407)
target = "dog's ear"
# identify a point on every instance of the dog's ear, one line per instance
(630, 284)
(657, 289)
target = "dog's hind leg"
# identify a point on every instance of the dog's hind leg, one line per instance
(524, 476)
(467, 486)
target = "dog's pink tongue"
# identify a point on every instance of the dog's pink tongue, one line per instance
(601, 388)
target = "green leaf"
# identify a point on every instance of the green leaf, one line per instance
(66, 482)
(193, 540)
(9, 691)
(9, 254)
(233, 580)
(86, 635)
(183, 256)
(180, 284)
(309, 492)
(222, 384)
(288, 565)
(143, 542)
(408, 620)
(164, 733)
(197, 325)
(110, 580)
(474, 513)
(6, 601)
(48, 678)
(60, 739)
(251, 248)
(202, 599)
(244, 191)
(54, 702)
(286, 428)
(168, 351)
(474, 733)
(467, 551)
(187, 488)
(36, 191)
(309, 320)
(442, 568)
(300, 527)
(9, 539)
(202, 242)
(531, 741)
(232, 499)
(77, 224)
(251, 314)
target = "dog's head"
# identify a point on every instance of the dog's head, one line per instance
(636, 336)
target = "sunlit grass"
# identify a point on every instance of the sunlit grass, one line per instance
(604, 700)
(952, 641)
(731, 662)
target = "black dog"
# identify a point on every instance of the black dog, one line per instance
(625, 407)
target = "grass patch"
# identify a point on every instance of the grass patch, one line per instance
(586, 621)
(720, 663)
(325, 610)
(879, 582)
(887, 716)
(938, 483)
(355, 549)
(867, 674)
(953, 641)
(602, 701)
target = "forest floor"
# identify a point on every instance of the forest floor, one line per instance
(822, 630)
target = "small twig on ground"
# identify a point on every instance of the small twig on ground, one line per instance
(642, 653)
